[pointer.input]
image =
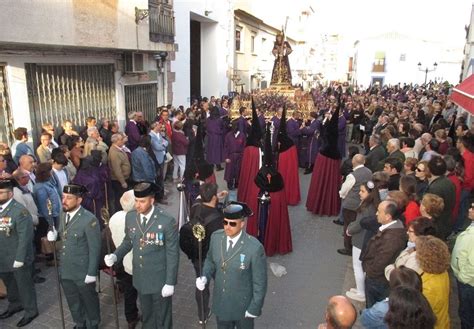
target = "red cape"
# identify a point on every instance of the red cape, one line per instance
(323, 195)
(247, 190)
(278, 230)
(288, 168)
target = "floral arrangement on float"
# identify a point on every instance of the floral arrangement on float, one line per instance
(271, 101)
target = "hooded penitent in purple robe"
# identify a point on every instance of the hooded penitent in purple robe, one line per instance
(312, 131)
(341, 142)
(233, 150)
(293, 130)
(215, 140)
(93, 176)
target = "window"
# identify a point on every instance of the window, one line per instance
(238, 37)
(379, 62)
(252, 44)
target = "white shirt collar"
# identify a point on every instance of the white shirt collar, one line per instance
(148, 214)
(383, 227)
(6, 204)
(234, 239)
(73, 213)
(357, 167)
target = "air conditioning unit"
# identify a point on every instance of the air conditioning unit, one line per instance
(134, 62)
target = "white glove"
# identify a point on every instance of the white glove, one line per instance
(110, 259)
(52, 235)
(89, 279)
(167, 290)
(248, 315)
(17, 264)
(201, 283)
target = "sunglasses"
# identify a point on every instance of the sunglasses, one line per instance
(232, 224)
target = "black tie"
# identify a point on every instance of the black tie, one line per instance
(230, 245)
(144, 221)
(68, 218)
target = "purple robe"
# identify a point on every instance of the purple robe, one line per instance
(293, 130)
(233, 150)
(215, 141)
(243, 125)
(312, 132)
(261, 121)
(94, 179)
(341, 142)
(133, 134)
(276, 124)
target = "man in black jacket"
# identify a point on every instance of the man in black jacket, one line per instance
(205, 212)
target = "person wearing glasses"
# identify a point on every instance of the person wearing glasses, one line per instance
(237, 262)
(422, 173)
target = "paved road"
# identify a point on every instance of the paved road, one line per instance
(296, 300)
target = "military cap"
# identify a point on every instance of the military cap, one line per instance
(75, 189)
(144, 189)
(237, 210)
(6, 184)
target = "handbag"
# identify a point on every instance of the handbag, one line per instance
(169, 157)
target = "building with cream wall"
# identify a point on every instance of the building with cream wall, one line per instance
(72, 59)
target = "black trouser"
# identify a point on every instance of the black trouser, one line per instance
(348, 216)
(117, 192)
(130, 295)
(83, 302)
(159, 181)
(41, 230)
(375, 291)
(21, 291)
(204, 305)
(466, 305)
(246, 323)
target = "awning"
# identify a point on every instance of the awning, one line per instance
(463, 94)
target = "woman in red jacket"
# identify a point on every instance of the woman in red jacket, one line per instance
(412, 209)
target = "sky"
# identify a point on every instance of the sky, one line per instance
(434, 20)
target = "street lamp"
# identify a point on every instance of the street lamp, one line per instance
(426, 70)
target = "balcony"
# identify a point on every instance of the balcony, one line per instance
(161, 18)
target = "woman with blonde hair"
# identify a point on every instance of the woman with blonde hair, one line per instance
(433, 258)
(432, 207)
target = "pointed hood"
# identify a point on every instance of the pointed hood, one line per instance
(284, 141)
(255, 135)
(198, 164)
(268, 178)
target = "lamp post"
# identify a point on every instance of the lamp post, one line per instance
(427, 70)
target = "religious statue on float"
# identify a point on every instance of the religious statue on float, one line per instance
(281, 74)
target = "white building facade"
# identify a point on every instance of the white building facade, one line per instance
(69, 60)
(393, 58)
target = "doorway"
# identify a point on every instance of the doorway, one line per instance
(195, 59)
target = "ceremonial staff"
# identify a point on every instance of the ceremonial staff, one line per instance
(58, 284)
(182, 209)
(199, 233)
(104, 213)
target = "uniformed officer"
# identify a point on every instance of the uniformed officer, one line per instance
(153, 236)
(16, 256)
(80, 254)
(236, 261)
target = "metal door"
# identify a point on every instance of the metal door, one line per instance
(69, 92)
(142, 98)
(6, 122)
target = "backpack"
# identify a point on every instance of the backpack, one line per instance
(187, 242)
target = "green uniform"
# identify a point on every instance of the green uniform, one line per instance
(79, 256)
(16, 244)
(240, 279)
(155, 263)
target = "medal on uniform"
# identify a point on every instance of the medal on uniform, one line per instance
(242, 259)
(159, 237)
(142, 241)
